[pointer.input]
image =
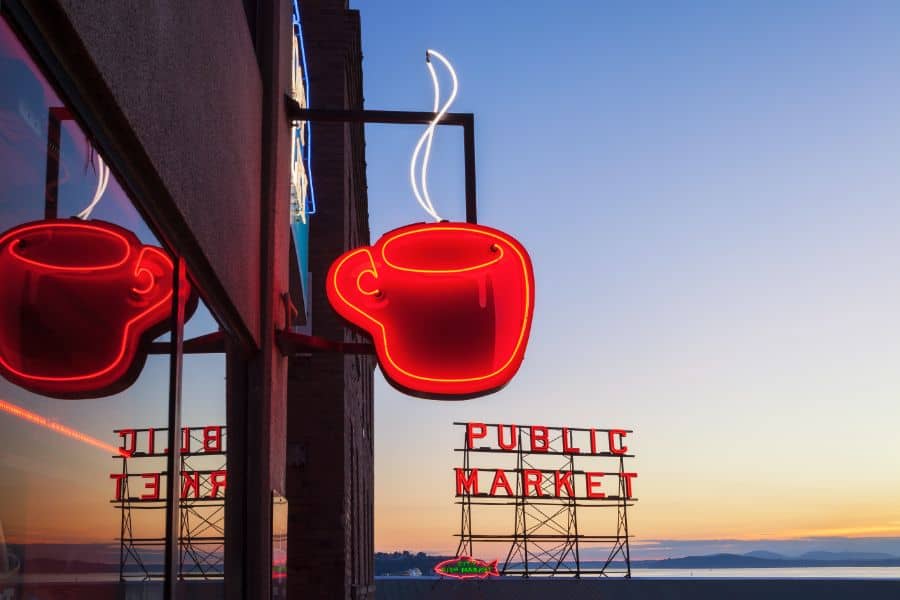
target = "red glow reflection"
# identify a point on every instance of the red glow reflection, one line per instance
(31, 417)
(76, 302)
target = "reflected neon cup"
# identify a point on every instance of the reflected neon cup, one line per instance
(77, 300)
(448, 306)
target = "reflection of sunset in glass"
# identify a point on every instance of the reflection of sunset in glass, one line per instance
(31, 417)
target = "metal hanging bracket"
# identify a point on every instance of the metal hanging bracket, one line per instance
(399, 117)
(290, 342)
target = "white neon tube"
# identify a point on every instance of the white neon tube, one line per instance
(102, 182)
(428, 135)
(427, 138)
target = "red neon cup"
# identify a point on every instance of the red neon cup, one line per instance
(77, 298)
(448, 306)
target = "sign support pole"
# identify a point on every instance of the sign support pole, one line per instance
(292, 342)
(173, 460)
(624, 517)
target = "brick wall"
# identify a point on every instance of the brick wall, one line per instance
(330, 449)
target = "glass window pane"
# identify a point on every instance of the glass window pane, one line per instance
(85, 286)
(204, 470)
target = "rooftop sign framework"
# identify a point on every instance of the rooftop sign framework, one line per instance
(547, 477)
(140, 484)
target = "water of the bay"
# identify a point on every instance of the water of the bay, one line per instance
(776, 573)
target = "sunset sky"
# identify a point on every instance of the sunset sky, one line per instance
(709, 193)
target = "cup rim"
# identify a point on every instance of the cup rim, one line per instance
(26, 228)
(499, 242)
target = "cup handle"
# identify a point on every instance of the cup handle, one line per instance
(152, 264)
(354, 278)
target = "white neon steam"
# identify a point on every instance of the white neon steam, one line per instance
(427, 138)
(430, 136)
(102, 182)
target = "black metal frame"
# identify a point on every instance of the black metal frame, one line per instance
(74, 78)
(173, 460)
(56, 115)
(399, 117)
(546, 539)
(199, 553)
(291, 342)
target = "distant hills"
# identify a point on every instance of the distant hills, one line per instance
(847, 556)
(764, 559)
(63, 558)
(398, 562)
(822, 555)
(765, 554)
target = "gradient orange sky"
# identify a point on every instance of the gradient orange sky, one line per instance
(709, 194)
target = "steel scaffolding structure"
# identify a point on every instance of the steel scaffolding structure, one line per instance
(202, 513)
(547, 538)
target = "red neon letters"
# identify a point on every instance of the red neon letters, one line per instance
(194, 440)
(536, 483)
(194, 485)
(578, 483)
(137, 444)
(448, 306)
(537, 439)
(77, 300)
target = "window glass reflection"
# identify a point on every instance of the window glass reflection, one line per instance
(64, 478)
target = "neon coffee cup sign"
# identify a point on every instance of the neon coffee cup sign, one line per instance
(77, 300)
(448, 306)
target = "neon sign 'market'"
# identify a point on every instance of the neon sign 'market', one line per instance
(195, 484)
(551, 483)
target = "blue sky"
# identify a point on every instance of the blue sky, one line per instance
(709, 193)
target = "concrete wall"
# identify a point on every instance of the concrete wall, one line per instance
(174, 91)
(263, 414)
(407, 588)
(186, 100)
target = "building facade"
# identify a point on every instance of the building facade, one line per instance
(159, 129)
(330, 432)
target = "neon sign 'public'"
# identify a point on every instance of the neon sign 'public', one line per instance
(566, 482)
(448, 306)
(77, 301)
(138, 444)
